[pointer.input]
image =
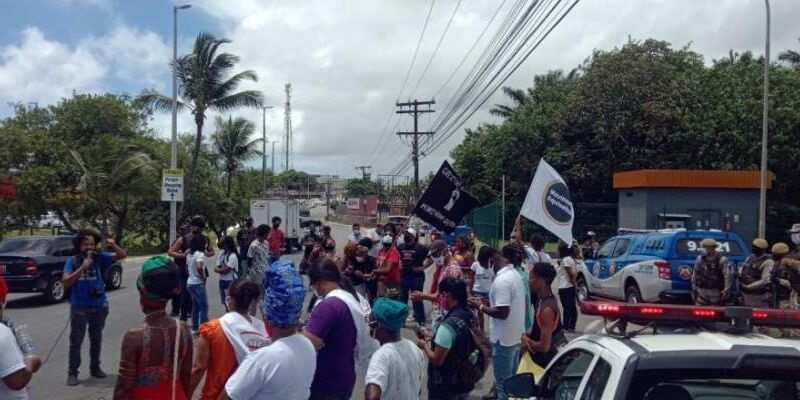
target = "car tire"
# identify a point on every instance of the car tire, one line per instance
(55, 291)
(114, 280)
(632, 294)
(582, 294)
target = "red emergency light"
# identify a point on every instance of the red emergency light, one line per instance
(682, 313)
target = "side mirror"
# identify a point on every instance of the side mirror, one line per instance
(522, 386)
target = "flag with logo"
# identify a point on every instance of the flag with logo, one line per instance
(548, 202)
(445, 203)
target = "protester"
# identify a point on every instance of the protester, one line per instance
(328, 244)
(338, 329)
(179, 251)
(365, 268)
(546, 336)
(348, 268)
(514, 254)
(16, 370)
(285, 369)
(227, 265)
(388, 269)
(244, 237)
(590, 246)
(446, 267)
(225, 342)
(84, 274)
(413, 256)
(535, 252)
(258, 255)
(756, 276)
(506, 311)
(397, 369)
(567, 276)
(375, 235)
(277, 240)
(311, 240)
(196, 283)
(482, 275)
(711, 277)
(449, 344)
(390, 229)
(151, 365)
(356, 235)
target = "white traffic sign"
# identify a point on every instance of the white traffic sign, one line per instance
(172, 185)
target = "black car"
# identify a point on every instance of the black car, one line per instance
(36, 263)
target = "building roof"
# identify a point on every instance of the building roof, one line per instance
(682, 178)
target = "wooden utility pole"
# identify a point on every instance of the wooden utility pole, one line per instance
(413, 108)
(365, 171)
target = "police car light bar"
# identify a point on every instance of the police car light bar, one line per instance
(681, 313)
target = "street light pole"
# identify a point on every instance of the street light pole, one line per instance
(173, 160)
(762, 200)
(264, 150)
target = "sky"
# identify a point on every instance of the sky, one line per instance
(346, 59)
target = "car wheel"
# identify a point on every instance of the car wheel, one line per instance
(55, 291)
(583, 294)
(632, 294)
(114, 278)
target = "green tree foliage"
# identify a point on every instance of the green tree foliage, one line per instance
(644, 105)
(206, 83)
(233, 146)
(360, 187)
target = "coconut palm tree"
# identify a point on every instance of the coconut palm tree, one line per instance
(205, 83)
(232, 145)
(792, 57)
(518, 96)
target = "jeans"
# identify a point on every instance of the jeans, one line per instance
(199, 305)
(242, 272)
(182, 302)
(505, 360)
(223, 291)
(410, 284)
(80, 317)
(567, 297)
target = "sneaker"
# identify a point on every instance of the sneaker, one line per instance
(98, 373)
(72, 380)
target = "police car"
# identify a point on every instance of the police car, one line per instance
(651, 266)
(689, 352)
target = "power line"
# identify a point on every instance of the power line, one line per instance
(436, 49)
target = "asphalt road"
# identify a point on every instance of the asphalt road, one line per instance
(48, 326)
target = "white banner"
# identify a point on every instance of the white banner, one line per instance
(548, 202)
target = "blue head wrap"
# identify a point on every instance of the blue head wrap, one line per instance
(284, 295)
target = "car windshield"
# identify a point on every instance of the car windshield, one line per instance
(27, 245)
(692, 246)
(717, 385)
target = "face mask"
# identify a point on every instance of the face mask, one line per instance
(361, 259)
(438, 260)
(796, 238)
(379, 231)
(356, 233)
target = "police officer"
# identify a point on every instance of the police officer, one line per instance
(755, 277)
(711, 279)
(789, 279)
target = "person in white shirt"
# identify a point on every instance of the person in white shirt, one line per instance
(285, 369)
(398, 368)
(376, 235)
(16, 371)
(535, 253)
(566, 276)
(506, 311)
(482, 276)
(227, 265)
(356, 235)
(196, 283)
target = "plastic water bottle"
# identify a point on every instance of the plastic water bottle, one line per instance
(24, 340)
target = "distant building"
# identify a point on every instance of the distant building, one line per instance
(690, 199)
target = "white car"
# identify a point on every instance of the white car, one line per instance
(690, 361)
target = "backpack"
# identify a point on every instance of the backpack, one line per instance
(474, 364)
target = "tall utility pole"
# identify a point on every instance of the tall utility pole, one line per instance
(264, 150)
(288, 123)
(762, 192)
(273, 157)
(173, 159)
(414, 109)
(365, 171)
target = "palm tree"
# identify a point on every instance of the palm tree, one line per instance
(518, 96)
(792, 57)
(204, 84)
(232, 145)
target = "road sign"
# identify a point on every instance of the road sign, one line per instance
(172, 185)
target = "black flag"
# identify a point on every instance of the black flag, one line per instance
(444, 204)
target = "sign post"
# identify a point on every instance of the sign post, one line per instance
(172, 185)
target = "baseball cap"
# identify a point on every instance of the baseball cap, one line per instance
(437, 246)
(411, 231)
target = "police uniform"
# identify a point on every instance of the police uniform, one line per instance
(755, 278)
(789, 279)
(710, 277)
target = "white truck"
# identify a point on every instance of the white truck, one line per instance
(263, 210)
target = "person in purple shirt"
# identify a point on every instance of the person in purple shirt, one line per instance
(332, 330)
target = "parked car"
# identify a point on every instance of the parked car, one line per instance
(461, 230)
(400, 221)
(36, 264)
(652, 266)
(50, 220)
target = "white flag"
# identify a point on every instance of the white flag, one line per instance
(548, 202)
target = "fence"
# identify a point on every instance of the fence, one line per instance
(486, 222)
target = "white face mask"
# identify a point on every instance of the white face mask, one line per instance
(361, 259)
(796, 238)
(438, 260)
